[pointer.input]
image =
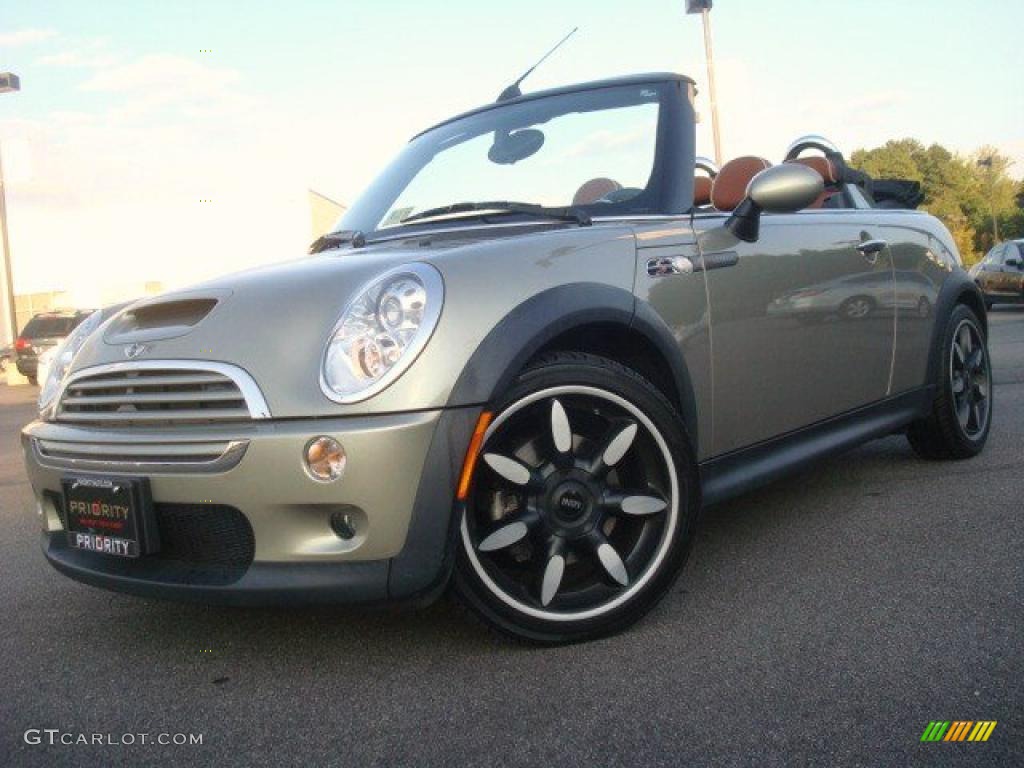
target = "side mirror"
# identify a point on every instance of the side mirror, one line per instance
(785, 188)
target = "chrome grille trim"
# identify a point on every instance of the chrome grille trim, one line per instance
(149, 458)
(171, 392)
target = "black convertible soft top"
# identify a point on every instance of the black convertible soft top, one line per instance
(895, 193)
(883, 193)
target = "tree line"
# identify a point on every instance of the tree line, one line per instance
(973, 195)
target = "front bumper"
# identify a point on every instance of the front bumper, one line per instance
(248, 525)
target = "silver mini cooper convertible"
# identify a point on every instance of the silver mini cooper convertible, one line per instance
(542, 340)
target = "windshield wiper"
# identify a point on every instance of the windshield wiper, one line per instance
(338, 239)
(567, 213)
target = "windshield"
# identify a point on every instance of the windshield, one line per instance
(595, 149)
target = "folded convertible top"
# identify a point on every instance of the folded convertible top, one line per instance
(896, 193)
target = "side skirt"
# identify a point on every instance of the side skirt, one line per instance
(737, 472)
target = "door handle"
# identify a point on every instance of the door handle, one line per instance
(870, 249)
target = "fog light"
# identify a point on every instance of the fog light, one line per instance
(325, 459)
(343, 523)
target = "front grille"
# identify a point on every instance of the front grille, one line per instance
(199, 544)
(152, 397)
(213, 534)
(138, 455)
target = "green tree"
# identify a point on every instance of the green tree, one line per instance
(966, 193)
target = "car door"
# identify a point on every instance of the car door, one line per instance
(988, 269)
(1013, 274)
(1003, 274)
(802, 322)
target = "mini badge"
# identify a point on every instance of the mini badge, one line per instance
(133, 351)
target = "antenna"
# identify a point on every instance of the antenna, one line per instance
(513, 90)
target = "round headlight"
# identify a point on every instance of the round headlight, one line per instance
(381, 331)
(60, 359)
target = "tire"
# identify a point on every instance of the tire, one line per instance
(857, 308)
(961, 414)
(598, 533)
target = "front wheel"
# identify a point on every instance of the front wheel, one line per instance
(857, 308)
(961, 414)
(582, 506)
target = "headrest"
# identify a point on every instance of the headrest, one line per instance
(702, 190)
(730, 185)
(594, 190)
(825, 168)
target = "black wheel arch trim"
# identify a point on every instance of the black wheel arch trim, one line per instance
(958, 288)
(524, 331)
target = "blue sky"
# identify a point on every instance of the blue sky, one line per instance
(126, 122)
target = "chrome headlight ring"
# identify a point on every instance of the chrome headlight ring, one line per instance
(381, 332)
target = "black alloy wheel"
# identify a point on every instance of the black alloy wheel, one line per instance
(580, 510)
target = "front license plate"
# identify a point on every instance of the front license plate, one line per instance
(109, 515)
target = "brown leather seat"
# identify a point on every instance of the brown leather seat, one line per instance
(828, 172)
(825, 168)
(594, 190)
(730, 186)
(702, 190)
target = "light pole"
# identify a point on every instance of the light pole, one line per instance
(987, 162)
(703, 7)
(8, 83)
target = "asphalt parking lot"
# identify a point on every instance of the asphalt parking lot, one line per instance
(824, 620)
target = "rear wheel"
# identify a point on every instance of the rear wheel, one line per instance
(582, 506)
(961, 416)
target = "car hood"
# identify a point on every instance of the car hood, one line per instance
(274, 322)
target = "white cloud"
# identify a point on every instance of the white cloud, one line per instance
(90, 55)
(26, 37)
(114, 188)
(161, 73)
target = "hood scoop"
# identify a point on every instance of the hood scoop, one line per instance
(162, 318)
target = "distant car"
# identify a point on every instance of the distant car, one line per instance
(6, 353)
(47, 329)
(1000, 275)
(858, 296)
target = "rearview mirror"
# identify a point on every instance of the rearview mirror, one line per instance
(785, 188)
(510, 148)
(1013, 262)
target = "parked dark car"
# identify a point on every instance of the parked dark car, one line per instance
(1000, 275)
(47, 329)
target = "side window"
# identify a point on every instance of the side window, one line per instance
(994, 259)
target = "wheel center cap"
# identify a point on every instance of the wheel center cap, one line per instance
(571, 502)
